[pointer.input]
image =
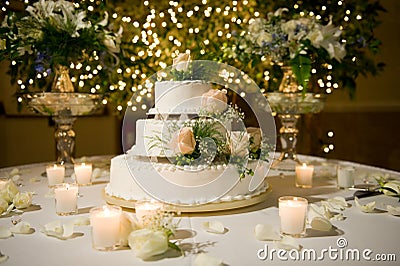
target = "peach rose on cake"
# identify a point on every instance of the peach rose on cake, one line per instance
(185, 142)
(214, 101)
(181, 62)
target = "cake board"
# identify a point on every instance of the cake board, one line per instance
(208, 207)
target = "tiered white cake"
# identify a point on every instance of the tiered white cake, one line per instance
(175, 102)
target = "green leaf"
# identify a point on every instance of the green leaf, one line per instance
(301, 66)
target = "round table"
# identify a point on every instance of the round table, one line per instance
(377, 232)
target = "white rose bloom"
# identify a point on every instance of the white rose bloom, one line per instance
(257, 25)
(22, 200)
(146, 243)
(9, 191)
(3, 205)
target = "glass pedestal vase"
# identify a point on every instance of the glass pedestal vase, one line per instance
(64, 106)
(289, 107)
(289, 104)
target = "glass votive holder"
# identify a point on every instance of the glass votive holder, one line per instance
(105, 222)
(66, 199)
(147, 208)
(83, 174)
(55, 174)
(293, 213)
(345, 176)
(304, 175)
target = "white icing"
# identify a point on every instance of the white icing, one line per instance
(123, 184)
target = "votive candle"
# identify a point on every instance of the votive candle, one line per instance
(55, 174)
(304, 175)
(144, 209)
(83, 173)
(66, 198)
(105, 222)
(345, 176)
(292, 213)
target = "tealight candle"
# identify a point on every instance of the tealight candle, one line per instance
(304, 174)
(293, 211)
(105, 222)
(83, 173)
(55, 174)
(144, 209)
(66, 198)
(345, 176)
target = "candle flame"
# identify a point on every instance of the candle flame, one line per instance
(304, 165)
(106, 210)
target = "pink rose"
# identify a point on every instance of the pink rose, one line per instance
(214, 101)
(186, 141)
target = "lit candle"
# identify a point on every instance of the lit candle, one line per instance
(66, 198)
(145, 209)
(293, 211)
(105, 222)
(83, 173)
(345, 176)
(55, 174)
(304, 174)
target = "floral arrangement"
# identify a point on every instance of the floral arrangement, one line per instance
(11, 198)
(58, 33)
(208, 139)
(297, 42)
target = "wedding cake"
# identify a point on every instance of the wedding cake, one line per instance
(180, 154)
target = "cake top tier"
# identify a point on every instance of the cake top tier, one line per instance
(179, 97)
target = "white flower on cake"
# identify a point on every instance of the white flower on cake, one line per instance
(254, 138)
(214, 101)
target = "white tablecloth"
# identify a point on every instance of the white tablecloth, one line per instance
(378, 232)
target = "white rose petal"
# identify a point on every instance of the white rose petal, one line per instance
(5, 232)
(3, 258)
(369, 207)
(266, 232)
(126, 227)
(203, 259)
(22, 228)
(393, 210)
(338, 217)
(146, 243)
(14, 172)
(321, 224)
(81, 221)
(214, 227)
(287, 243)
(335, 204)
(59, 230)
(315, 211)
(68, 230)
